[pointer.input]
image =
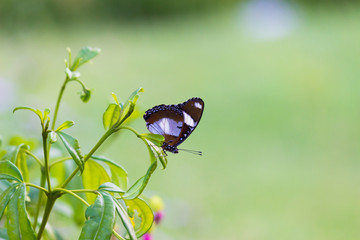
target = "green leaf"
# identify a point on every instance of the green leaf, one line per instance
(110, 187)
(5, 197)
(65, 125)
(157, 139)
(111, 115)
(2, 153)
(93, 176)
(158, 152)
(3, 234)
(9, 171)
(117, 172)
(19, 158)
(139, 186)
(18, 224)
(129, 106)
(36, 111)
(72, 146)
(144, 212)
(121, 211)
(100, 219)
(85, 55)
(135, 95)
(46, 113)
(115, 98)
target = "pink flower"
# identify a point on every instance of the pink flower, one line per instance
(147, 236)
(158, 216)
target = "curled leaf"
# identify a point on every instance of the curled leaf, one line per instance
(144, 212)
(72, 146)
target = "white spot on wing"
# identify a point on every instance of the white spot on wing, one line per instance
(166, 126)
(198, 105)
(188, 120)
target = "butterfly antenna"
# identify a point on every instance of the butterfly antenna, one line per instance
(191, 151)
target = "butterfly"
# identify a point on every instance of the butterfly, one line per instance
(175, 122)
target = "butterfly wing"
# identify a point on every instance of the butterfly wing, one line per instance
(192, 111)
(166, 120)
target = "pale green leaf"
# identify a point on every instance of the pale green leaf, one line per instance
(85, 55)
(111, 115)
(118, 173)
(19, 158)
(93, 176)
(65, 125)
(36, 111)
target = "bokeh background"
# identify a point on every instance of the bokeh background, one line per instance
(280, 81)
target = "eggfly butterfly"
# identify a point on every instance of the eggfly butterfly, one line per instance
(174, 122)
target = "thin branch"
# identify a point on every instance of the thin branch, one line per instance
(34, 157)
(59, 161)
(38, 187)
(74, 195)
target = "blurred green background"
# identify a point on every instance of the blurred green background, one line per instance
(280, 81)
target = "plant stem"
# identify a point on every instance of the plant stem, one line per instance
(36, 186)
(46, 159)
(59, 161)
(85, 190)
(49, 205)
(131, 129)
(87, 156)
(42, 184)
(74, 195)
(34, 157)
(58, 102)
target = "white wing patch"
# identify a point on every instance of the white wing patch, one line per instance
(188, 120)
(198, 105)
(166, 126)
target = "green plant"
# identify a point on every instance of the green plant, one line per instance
(96, 182)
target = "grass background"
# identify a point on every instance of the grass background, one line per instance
(279, 134)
